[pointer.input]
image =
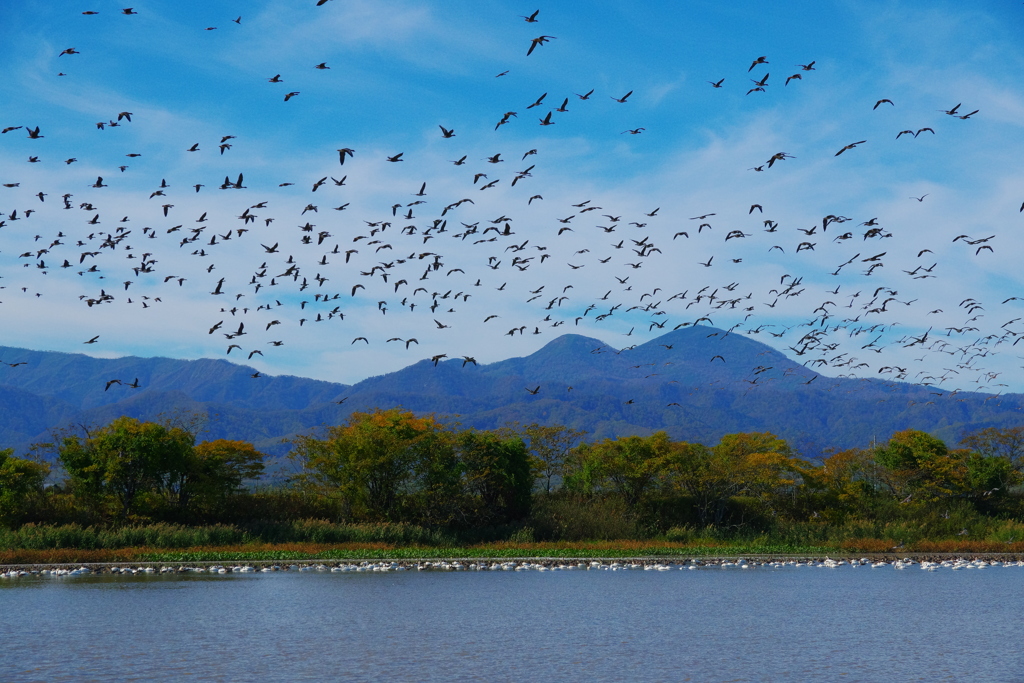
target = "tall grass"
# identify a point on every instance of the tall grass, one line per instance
(321, 531)
(556, 518)
(955, 523)
(571, 518)
(287, 552)
(40, 537)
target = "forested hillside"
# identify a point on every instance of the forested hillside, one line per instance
(696, 384)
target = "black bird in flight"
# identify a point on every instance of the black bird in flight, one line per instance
(540, 40)
(850, 146)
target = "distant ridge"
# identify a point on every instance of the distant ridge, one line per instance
(722, 383)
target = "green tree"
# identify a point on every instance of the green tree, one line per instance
(122, 461)
(549, 444)
(918, 466)
(631, 466)
(751, 464)
(370, 461)
(439, 496)
(498, 473)
(989, 476)
(214, 471)
(850, 480)
(1001, 443)
(20, 481)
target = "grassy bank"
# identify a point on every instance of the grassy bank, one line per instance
(319, 539)
(297, 552)
(312, 531)
(264, 552)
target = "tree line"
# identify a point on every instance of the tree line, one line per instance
(397, 467)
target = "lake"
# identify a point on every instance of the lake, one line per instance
(711, 624)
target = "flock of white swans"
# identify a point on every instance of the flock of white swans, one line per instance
(516, 565)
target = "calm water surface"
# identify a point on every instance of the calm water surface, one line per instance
(761, 624)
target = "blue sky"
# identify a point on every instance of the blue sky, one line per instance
(400, 69)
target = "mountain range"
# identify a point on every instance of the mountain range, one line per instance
(695, 383)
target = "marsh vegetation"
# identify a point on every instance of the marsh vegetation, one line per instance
(389, 479)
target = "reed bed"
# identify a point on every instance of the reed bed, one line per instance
(74, 536)
(228, 553)
(299, 552)
(287, 552)
(313, 538)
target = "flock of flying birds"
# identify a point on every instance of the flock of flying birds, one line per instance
(317, 269)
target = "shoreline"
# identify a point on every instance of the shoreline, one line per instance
(438, 563)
